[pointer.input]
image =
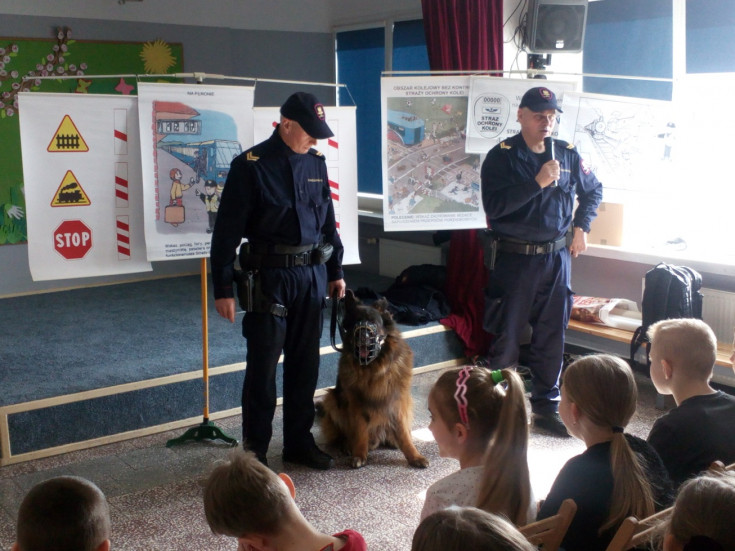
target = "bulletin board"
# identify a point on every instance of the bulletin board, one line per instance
(64, 56)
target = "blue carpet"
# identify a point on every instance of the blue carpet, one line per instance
(71, 341)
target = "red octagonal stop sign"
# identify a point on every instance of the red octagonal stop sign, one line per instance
(72, 239)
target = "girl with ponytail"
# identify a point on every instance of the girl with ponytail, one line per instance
(479, 418)
(619, 475)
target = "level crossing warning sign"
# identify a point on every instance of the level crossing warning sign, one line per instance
(67, 139)
(70, 193)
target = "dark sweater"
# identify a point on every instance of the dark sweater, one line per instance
(694, 434)
(587, 479)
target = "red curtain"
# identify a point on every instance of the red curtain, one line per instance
(465, 35)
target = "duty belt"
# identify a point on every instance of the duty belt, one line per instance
(507, 245)
(263, 255)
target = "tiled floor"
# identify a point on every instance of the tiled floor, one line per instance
(155, 492)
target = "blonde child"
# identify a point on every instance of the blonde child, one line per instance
(246, 500)
(703, 514)
(63, 513)
(698, 430)
(462, 528)
(619, 475)
(479, 418)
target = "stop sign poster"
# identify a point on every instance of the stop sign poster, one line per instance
(82, 178)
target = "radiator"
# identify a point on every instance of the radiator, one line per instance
(718, 311)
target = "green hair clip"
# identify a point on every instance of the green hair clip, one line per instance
(497, 376)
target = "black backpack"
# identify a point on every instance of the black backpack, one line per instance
(670, 292)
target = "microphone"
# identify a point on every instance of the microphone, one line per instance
(549, 146)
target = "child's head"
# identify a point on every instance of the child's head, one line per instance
(471, 397)
(602, 388)
(460, 528)
(66, 513)
(704, 510)
(483, 412)
(686, 346)
(598, 398)
(243, 497)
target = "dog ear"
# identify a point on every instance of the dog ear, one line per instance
(350, 300)
(381, 305)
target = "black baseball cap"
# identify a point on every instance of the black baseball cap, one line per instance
(540, 99)
(306, 110)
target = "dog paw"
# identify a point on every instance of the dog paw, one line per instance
(358, 462)
(419, 462)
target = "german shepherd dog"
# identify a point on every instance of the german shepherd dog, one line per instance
(371, 404)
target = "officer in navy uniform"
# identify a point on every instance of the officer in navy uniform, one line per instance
(277, 196)
(528, 194)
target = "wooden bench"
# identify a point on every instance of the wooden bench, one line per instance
(724, 350)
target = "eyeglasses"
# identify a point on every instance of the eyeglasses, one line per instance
(539, 117)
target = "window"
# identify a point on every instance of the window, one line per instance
(688, 216)
(360, 62)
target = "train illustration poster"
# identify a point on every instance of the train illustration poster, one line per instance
(429, 181)
(189, 136)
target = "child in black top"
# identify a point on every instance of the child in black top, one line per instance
(619, 475)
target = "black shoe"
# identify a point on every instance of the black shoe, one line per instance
(551, 422)
(311, 457)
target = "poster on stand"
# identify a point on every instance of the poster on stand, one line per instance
(493, 107)
(189, 134)
(429, 181)
(82, 185)
(340, 152)
(628, 144)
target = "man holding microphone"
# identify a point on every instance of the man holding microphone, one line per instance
(529, 186)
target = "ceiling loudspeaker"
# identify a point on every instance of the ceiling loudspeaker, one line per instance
(555, 26)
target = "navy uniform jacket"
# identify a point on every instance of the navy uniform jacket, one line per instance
(276, 196)
(516, 206)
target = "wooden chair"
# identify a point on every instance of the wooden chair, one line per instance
(634, 533)
(549, 532)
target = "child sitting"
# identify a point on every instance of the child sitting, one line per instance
(246, 500)
(698, 430)
(462, 528)
(479, 418)
(63, 513)
(619, 475)
(702, 515)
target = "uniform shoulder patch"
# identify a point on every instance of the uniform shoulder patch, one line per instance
(570, 146)
(316, 152)
(250, 156)
(504, 145)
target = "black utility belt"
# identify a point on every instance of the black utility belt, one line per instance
(284, 256)
(530, 247)
(277, 260)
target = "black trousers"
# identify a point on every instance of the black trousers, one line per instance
(302, 290)
(533, 290)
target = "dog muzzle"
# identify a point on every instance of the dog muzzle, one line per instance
(368, 342)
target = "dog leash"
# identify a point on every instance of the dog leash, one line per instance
(333, 325)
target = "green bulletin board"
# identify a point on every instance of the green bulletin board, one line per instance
(63, 56)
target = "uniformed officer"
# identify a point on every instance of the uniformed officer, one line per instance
(529, 184)
(277, 196)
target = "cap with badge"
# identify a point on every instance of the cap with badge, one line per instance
(540, 99)
(306, 110)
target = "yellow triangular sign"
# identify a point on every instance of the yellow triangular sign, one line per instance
(70, 193)
(67, 138)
